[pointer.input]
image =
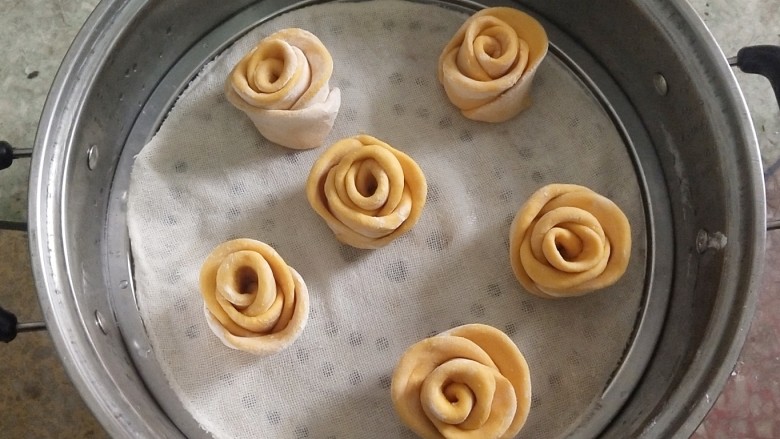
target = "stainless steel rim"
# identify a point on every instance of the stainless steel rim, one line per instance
(50, 267)
(724, 337)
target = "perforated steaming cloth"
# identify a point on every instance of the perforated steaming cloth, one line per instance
(208, 176)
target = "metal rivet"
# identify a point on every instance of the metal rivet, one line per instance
(701, 241)
(710, 241)
(92, 157)
(659, 82)
(100, 322)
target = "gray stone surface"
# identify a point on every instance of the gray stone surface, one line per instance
(37, 399)
(35, 36)
(736, 24)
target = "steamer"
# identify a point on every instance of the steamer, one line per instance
(651, 64)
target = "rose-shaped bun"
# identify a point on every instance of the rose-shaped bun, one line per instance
(282, 85)
(567, 240)
(470, 382)
(254, 302)
(488, 66)
(367, 192)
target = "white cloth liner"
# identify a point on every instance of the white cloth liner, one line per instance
(208, 176)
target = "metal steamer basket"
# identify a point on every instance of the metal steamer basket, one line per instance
(651, 64)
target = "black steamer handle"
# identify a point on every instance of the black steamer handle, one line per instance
(9, 326)
(765, 61)
(761, 60)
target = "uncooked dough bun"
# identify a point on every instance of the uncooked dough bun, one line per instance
(488, 66)
(282, 85)
(567, 240)
(254, 302)
(469, 382)
(368, 192)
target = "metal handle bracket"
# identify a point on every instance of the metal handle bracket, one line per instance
(10, 327)
(8, 154)
(762, 60)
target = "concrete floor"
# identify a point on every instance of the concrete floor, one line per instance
(38, 401)
(37, 398)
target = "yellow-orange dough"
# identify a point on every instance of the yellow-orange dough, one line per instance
(488, 66)
(254, 302)
(567, 240)
(470, 382)
(368, 192)
(282, 85)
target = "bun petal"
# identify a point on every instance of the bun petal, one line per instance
(283, 86)
(368, 192)
(253, 300)
(469, 382)
(567, 240)
(488, 67)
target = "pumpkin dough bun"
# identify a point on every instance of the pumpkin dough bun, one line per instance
(254, 302)
(282, 85)
(470, 382)
(567, 240)
(488, 66)
(368, 192)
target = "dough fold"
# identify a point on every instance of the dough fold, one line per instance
(368, 192)
(470, 382)
(253, 300)
(567, 240)
(488, 66)
(282, 85)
